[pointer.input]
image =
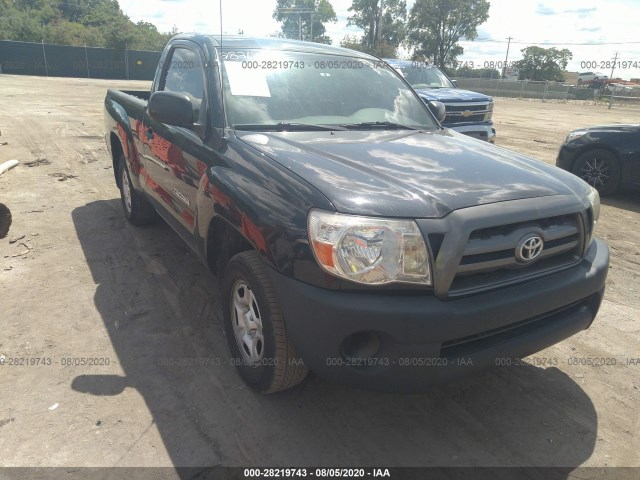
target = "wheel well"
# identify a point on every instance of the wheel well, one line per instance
(223, 242)
(595, 147)
(116, 152)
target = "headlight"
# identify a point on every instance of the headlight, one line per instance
(574, 135)
(594, 200)
(368, 250)
(489, 113)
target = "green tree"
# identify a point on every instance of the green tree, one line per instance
(383, 23)
(97, 23)
(147, 37)
(353, 42)
(384, 50)
(64, 32)
(73, 10)
(310, 24)
(543, 63)
(436, 26)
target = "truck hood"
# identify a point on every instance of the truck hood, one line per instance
(610, 128)
(451, 95)
(417, 174)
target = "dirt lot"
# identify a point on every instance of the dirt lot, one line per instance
(84, 284)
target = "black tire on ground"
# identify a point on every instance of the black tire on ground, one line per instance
(137, 209)
(279, 368)
(5, 220)
(600, 169)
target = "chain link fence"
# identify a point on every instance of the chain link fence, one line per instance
(27, 58)
(617, 96)
(622, 96)
(544, 90)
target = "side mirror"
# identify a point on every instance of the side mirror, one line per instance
(455, 83)
(438, 109)
(171, 108)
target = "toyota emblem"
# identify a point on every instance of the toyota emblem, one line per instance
(529, 248)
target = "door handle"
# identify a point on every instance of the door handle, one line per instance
(157, 162)
(149, 133)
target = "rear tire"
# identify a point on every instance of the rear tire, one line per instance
(260, 347)
(600, 169)
(137, 209)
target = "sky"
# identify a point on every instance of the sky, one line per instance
(592, 30)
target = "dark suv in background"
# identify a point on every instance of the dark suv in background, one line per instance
(467, 112)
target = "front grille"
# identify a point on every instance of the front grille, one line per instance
(467, 112)
(489, 258)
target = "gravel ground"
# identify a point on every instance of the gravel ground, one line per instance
(98, 314)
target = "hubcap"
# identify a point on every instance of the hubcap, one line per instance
(247, 323)
(596, 172)
(126, 190)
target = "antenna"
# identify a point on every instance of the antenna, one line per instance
(224, 116)
(220, 23)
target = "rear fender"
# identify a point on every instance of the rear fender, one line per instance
(121, 141)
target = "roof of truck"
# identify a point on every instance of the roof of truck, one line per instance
(408, 63)
(286, 44)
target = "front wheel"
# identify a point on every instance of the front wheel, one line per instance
(260, 347)
(600, 169)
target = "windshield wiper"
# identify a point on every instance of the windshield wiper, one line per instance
(286, 127)
(365, 125)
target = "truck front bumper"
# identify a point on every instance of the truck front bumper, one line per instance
(392, 341)
(479, 131)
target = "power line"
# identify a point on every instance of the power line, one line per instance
(490, 40)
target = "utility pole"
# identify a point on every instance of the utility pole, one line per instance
(506, 58)
(615, 59)
(299, 12)
(46, 68)
(379, 29)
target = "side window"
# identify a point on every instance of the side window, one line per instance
(185, 74)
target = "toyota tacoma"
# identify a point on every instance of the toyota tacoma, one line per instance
(354, 235)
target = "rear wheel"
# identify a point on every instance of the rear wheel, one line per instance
(600, 169)
(260, 347)
(136, 208)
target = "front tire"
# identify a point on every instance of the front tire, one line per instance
(600, 169)
(136, 208)
(5, 220)
(260, 347)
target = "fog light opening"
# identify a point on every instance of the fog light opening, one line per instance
(361, 346)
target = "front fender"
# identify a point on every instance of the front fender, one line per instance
(268, 210)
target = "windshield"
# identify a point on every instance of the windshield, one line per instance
(424, 76)
(292, 90)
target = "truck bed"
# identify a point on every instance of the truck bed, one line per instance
(141, 94)
(125, 105)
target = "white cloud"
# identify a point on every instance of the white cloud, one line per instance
(569, 21)
(535, 21)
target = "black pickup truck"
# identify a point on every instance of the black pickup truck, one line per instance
(354, 236)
